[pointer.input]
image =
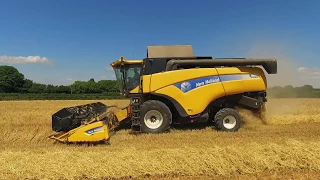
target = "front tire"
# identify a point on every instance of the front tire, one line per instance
(155, 117)
(227, 119)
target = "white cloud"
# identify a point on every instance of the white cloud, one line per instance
(103, 76)
(309, 73)
(25, 60)
(109, 68)
(66, 79)
(302, 69)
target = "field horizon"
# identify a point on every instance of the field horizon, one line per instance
(287, 146)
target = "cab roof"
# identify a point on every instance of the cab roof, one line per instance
(127, 61)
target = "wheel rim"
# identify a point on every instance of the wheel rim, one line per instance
(229, 122)
(153, 119)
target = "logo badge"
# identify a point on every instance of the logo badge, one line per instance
(254, 76)
(185, 86)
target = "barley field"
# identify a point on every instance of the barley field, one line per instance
(287, 147)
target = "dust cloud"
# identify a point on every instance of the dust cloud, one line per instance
(251, 119)
(287, 75)
(287, 65)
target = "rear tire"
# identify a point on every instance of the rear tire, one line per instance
(155, 117)
(227, 119)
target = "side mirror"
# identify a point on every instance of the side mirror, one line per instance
(121, 64)
(121, 67)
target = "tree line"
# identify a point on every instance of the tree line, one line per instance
(12, 81)
(14, 86)
(306, 91)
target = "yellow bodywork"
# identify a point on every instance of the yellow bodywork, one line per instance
(99, 132)
(194, 89)
(98, 128)
(220, 82)
(95, 130)
(135, 90)
(122, 115)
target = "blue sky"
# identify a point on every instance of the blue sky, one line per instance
(81, 38)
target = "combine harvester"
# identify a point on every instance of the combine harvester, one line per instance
(171, 86)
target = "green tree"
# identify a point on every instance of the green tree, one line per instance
(307, 88)
(80, 87)
(11, 80)
(51, 89)
(108, 86)
(37, 88)
(288, 91)
(26, 86)
(64, 89)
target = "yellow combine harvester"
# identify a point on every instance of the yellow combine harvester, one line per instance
(171, 86)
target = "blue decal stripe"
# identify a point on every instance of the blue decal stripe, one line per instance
(195, 83)
(94, 130)
(230, 77)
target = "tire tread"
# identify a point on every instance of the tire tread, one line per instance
(218, 118)
(163, 109)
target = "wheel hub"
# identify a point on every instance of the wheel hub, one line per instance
(153, 119)
(229, 122)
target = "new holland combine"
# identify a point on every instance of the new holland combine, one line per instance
(171, 86)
